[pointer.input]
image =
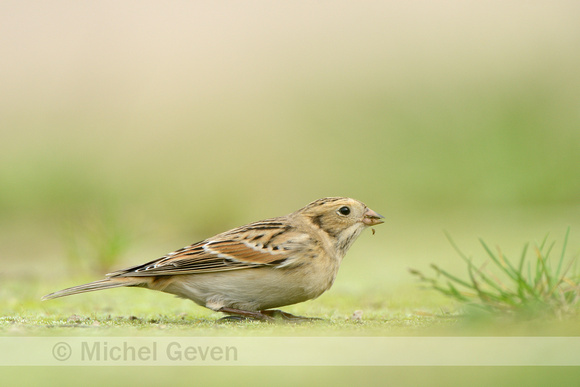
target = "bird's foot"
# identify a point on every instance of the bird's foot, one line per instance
(234, 318)
(269, 315)
(240, 315)
(276, 313)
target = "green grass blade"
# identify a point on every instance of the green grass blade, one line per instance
(545, 273)
(562, 279)
(486, 296)
(544, 241)
(523, 258)
(452, 277)
(549, 251)
(506, 267)
(522, 283)
(493, 284)
(456, 248)
(538, 276)
(456, 293)
(510, 270)
(547, 269)
(478, 290)
(564, 246)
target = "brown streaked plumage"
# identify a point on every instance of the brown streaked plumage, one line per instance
(252, 268)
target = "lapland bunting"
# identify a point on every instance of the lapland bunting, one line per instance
(248, 270)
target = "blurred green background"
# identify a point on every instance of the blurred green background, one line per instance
(130, 129)
(154, 125)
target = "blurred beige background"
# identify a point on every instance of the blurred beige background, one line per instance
(137, 127)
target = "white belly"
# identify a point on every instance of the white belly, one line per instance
(251, 289)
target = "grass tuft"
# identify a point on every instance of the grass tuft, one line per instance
(531, 286)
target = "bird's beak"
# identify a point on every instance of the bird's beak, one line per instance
(371, 218)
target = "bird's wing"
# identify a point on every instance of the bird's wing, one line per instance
(267, 243)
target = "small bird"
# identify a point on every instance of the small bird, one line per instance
(248, 270)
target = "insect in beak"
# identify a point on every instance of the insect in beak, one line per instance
(371, 218)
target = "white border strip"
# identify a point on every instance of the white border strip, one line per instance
(290, 351)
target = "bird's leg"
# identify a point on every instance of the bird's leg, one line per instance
(240, 314)
(273, 313)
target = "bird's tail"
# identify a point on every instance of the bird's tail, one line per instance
(107, 283)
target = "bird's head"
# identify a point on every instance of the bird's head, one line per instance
(341, 218)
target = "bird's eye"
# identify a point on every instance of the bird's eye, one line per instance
(344, 210)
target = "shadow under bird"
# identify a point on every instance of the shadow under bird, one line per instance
(246, 271)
